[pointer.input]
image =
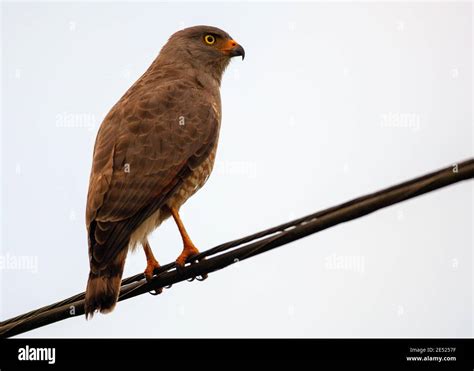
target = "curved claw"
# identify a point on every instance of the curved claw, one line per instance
(202, 277)
(156, 291)
(181, 261)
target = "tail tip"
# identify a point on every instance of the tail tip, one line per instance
(101, 294)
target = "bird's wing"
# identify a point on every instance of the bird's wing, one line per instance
(146, 146)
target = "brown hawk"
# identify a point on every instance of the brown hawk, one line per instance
(154, 149)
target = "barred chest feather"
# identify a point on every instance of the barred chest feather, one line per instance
(188, 188)
(193, 182)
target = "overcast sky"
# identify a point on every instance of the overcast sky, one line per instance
(332, 101)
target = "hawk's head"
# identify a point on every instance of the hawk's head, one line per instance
(207, 48)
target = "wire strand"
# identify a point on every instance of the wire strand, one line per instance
(234, 251)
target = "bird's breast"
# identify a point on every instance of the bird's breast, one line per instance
(194, 181)
(188, 187)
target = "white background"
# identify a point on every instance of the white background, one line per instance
(333, 100)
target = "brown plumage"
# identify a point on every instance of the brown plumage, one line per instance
(155, 149)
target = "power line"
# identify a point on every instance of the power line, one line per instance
(231, 252)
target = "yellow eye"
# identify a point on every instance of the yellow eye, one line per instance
(209, 39)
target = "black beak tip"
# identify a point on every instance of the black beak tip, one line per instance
(242, 50)
(242, 53)
(239, 51)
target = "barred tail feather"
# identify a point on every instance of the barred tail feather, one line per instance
(103, 287)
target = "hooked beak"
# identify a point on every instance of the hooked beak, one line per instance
(233, 49)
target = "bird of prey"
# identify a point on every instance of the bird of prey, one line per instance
(154, 149)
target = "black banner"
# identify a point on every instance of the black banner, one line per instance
(407, 353)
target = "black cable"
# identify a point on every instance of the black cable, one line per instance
(228, 253)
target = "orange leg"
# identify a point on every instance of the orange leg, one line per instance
(151, 262)
(189, 249)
